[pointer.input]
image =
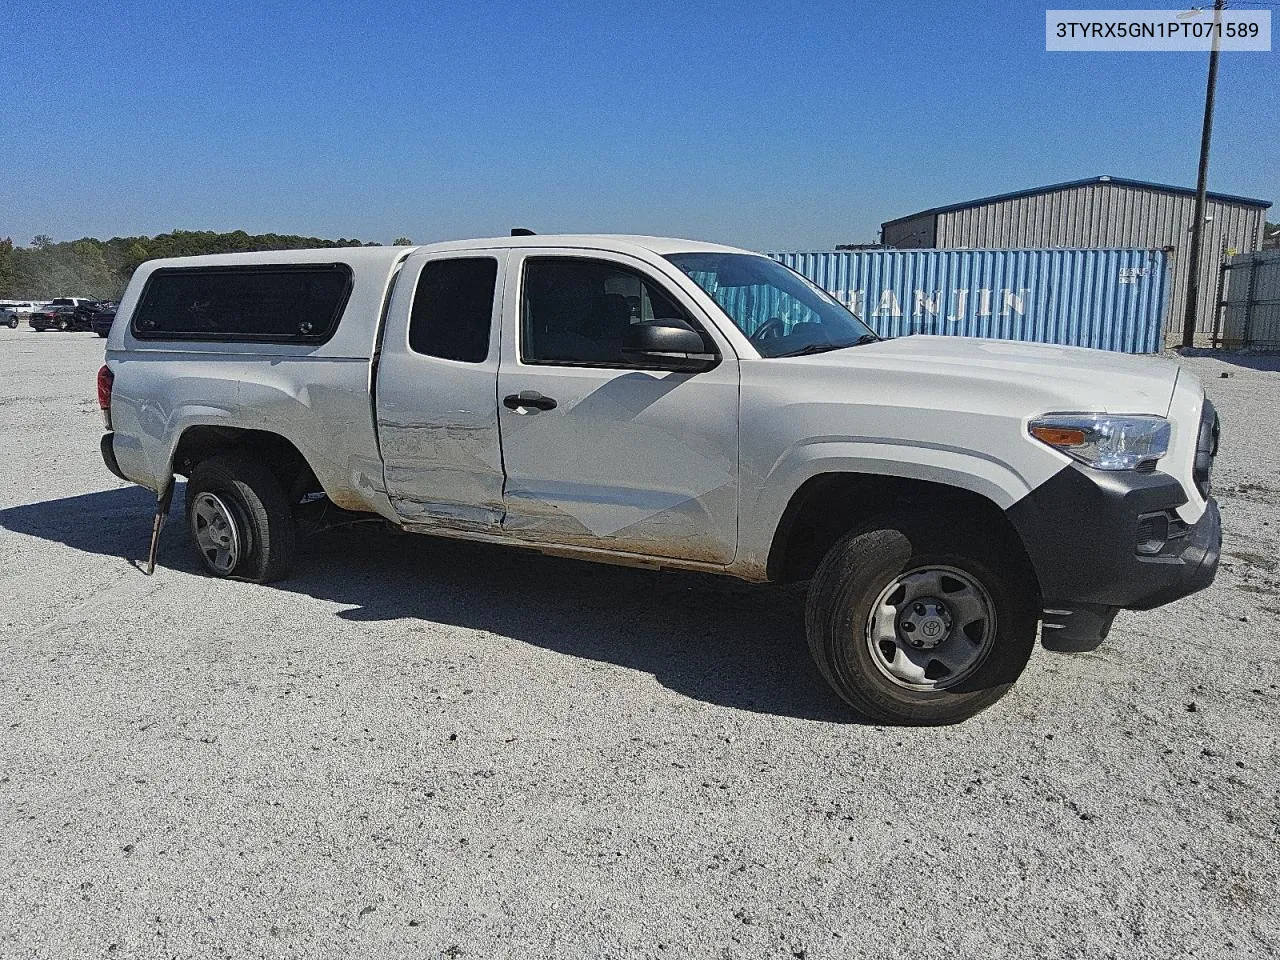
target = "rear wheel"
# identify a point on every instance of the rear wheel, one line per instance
(240, 519)
(13, 323)
(916, 626)
(64, 324)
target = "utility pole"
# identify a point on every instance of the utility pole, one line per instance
(1202, 180)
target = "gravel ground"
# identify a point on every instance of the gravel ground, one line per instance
(425, 748)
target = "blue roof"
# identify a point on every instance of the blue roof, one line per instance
(1123, 181)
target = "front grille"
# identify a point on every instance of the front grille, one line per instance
(1206, 448)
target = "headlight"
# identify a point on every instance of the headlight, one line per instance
(1104, 441)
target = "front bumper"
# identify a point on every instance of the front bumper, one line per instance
(1101, 541)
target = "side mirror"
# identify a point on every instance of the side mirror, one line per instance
(668, 344)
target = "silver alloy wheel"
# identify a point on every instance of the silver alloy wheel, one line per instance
(216, 532)
(931, 627)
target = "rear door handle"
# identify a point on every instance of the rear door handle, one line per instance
(527, 400)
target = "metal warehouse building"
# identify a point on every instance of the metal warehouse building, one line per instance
(1100, 212)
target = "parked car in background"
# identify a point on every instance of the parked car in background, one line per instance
(11, 311)
(63, 313)
(101, 316)
(53, 317)
(85, 310)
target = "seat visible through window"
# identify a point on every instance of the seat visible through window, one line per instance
(577, 311)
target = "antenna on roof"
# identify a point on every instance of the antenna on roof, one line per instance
(522, 232)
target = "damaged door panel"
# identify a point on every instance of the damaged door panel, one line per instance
(436, 411)
(618, 454)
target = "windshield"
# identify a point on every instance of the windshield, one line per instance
(781, 312)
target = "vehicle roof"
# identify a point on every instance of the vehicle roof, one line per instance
(620, 242)
(385, 256)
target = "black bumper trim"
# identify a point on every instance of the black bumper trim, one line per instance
(1197, 561)
(109, 455)
(1081, 528)
(1077, 629)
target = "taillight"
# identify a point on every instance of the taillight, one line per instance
(105, 381)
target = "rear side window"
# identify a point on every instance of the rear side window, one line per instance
(453, 309)
(288, 302)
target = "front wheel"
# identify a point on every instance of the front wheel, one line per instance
(13, 323)
(240, 519)
(912, 626)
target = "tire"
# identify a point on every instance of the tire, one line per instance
(233, 489)
(13, 323)
(64, 325)
(874, 594)
(102, 334)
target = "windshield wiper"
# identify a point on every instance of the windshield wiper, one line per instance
(812, 348)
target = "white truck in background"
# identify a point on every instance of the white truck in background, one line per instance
(671, 403)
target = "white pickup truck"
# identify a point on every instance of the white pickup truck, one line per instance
(669, 403)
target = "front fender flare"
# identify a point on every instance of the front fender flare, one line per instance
(963, 468)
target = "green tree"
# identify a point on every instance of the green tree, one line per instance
(7, 275)
(402, 242)
(102, 268)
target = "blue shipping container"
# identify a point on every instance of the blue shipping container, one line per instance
(1107, 299)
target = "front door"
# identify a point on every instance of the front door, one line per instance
(601, 451)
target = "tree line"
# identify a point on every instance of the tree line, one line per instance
(100, 268)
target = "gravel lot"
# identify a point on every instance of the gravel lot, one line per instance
(425, 748)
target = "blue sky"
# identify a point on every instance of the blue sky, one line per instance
(774, 126)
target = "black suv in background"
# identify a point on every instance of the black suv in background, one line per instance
(100, 316)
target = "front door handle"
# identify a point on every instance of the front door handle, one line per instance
(527, 400)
